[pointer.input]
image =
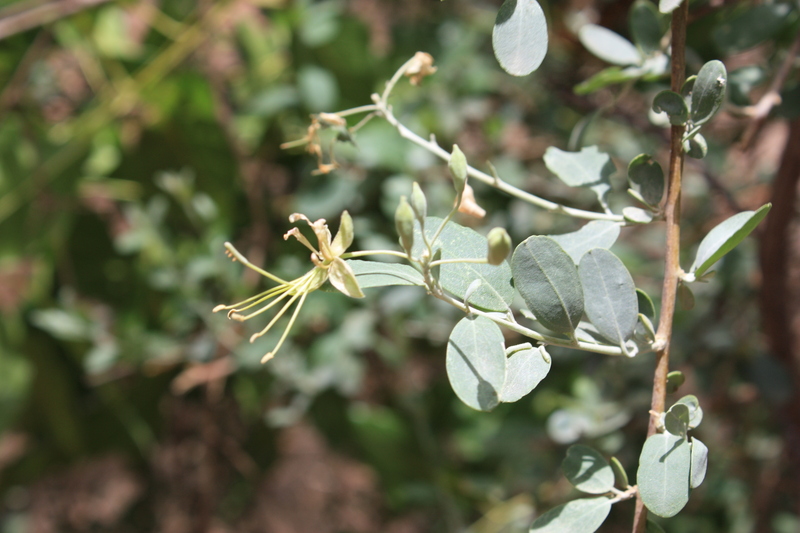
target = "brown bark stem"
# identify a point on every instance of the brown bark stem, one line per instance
(672, 267)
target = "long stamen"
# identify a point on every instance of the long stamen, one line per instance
(277, 316)
(264, 296)
(235, 307)
(274, 351)
(242, 318)
(242, 259)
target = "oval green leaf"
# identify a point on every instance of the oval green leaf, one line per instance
(708, 92)
(645, 26)
(725, 237)
(696, 147)
(519, 38)
(587, 470)
(646, 305)
(673, 105)
(579, 169)
(699, 463)
(495, 292)
(647, 178)
(610, 295)
(609, 46)
(376, 274)
(695, 411)
(546, 277)
(676, 420)
(476, 362)
(595, 234)
(578, 516)
(620, 475)
(526, 367)
(663, 475)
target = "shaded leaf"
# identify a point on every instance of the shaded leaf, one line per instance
(652, 527)
(699, 463)
(676, 420)
(519, 37)
(674, 381)
(685, 297)
(696, 147)
(578, 516)
(495, 292)
(749, 27)
(663, 475)
(525, 369)
(476, 362)
(610, 295)
(548, 281)
(645, 26)
(673, 105)
(587, 470)
(595, 234)
(708, 92)
(646, 178)
(725, 237)
(695, 411)
(646, 305)
(608, 45)
(375, 274)
(620, 476)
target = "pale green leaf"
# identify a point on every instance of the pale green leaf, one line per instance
(476, 362)
(495, 292)
(668, 6)
(699, 463)
(708, 92)
(587, 470)
(646, 177)
(526, 367)
(610, 295)
(609, 46)
(343, 278)
(374, 274)
(519, 38)
(578, 516)
(725, 237)
(546, 277)
(663, 475)
(595, 234)
(579, 169)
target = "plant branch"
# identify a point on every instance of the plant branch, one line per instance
(672, 267)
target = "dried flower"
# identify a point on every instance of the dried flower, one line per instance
(421, 65)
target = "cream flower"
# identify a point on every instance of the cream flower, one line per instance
(328, 265)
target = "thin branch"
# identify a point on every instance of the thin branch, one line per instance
(44, 14)
(672, 267)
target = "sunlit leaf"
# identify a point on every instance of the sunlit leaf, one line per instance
(695, 411)
(525, 369)
(699, 463)
(519, 37)
(476, 362)
(587, 470)
(578, 516)
(595, 234)
(725, 237)
(676, 420)
(546, 277)
(609, 46)
(579, 169)
(663, 475)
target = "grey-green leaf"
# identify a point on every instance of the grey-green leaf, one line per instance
(587, 470)
(585, 515)
(495, 292)
(645, 26)
(708, 92)
(476, 362)
(663, 475)
(519, 38)
(525, 369)
(579, 169)
(595, 234)
(725, 237)
(546, 277)
(676, 420)
(695, 411)
(647, 178)
(609, 46)
(375, 274)
(673, 105)
(699, 463)
(610, 295)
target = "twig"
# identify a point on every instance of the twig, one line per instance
(44, 14)
(672, 267)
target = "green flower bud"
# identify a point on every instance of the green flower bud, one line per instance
(418, 202)
(499, 246)
(458, 169)
(404, 222)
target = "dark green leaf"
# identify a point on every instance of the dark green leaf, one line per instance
(695, 411)
(646, 306)
(663, 475)
(546, 277)
(725, 237)
(578, 516)
(645, 26)
(646, 178)
(749, 27)
(673, 105)
(495, 292)
(610, 295)
(476, 362)
(674, 381)
(676, 420)
(519, 37)
(620, 476)
(699, 463)
(595, 234)
(696, 147)
(375, 274)
(609, 46)
(526, 367)
(587, 470)
(708, 92)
